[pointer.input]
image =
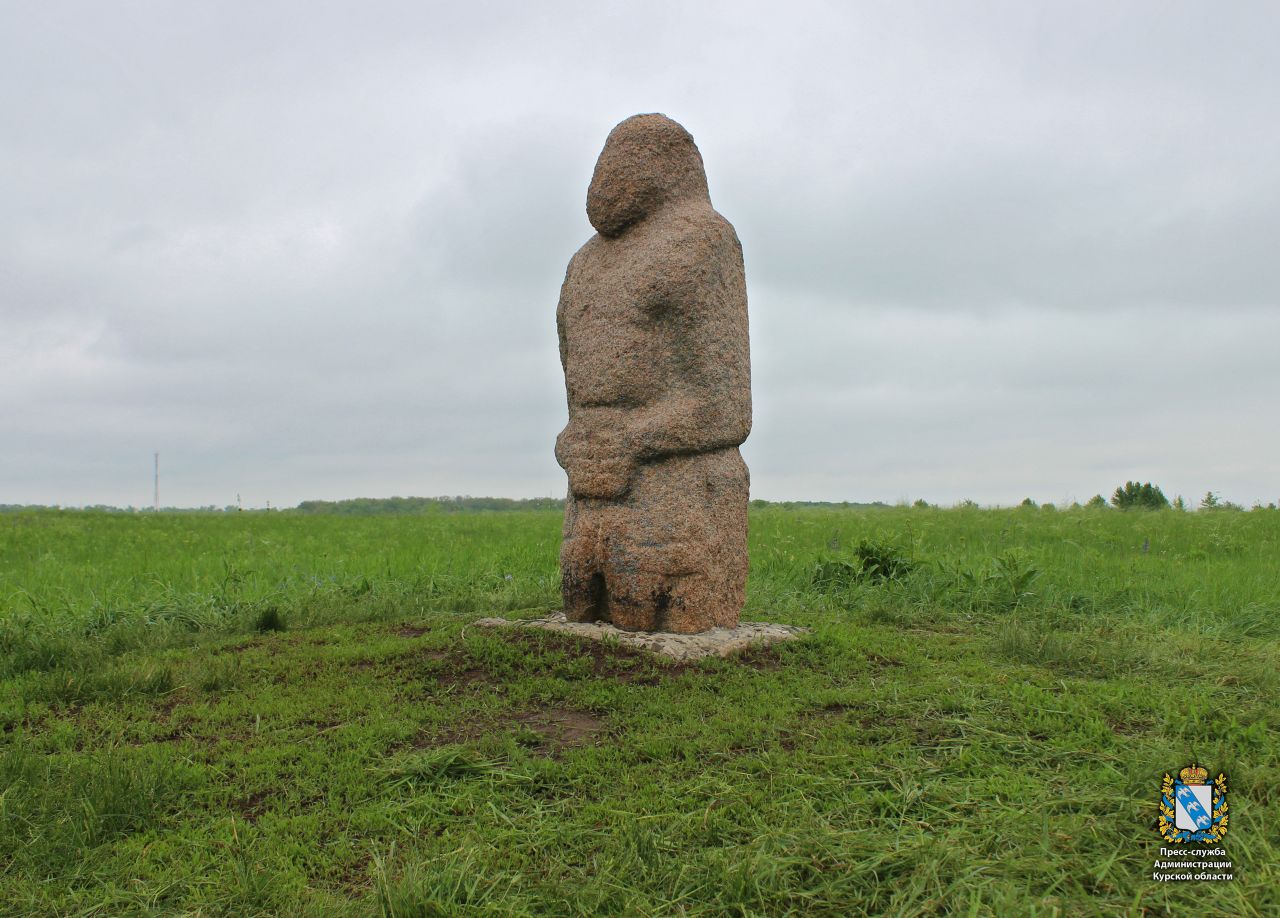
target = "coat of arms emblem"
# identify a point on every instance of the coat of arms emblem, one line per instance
(1191, 808)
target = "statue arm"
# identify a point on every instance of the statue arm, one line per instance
(591, 450)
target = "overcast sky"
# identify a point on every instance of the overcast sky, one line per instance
(313, 250)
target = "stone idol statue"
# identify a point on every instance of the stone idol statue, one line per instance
(657, 366)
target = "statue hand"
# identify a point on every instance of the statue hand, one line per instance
(598, 465)
(602, 479)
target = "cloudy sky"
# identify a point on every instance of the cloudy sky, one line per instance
(313, 250)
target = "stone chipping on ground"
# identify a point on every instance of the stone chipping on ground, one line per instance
(719, 642)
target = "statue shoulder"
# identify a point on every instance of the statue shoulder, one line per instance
(699, 238)
(700, 222)
(586, 251)
(581, 258)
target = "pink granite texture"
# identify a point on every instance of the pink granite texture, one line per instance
(657, 366)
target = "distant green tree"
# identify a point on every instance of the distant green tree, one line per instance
(1097, 502)
(921, 504)
(1028, 502)
(1134, 496)
(1179, 503)
(1212, 501)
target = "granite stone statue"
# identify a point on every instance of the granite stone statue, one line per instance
(653, 340)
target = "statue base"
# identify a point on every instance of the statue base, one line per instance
(683, 648)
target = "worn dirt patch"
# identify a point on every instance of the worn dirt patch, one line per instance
(463, 677)
(442, 669)
(812, 722)
(239, 646)
(761, 657)
(411, 631)
(354, 879)
(833, 708)
(166, 703)
(562, 728)
(253, 806)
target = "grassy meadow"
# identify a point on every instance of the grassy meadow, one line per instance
(260, 714)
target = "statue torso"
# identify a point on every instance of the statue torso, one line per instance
(625, 305)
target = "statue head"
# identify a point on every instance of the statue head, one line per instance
(647, 162)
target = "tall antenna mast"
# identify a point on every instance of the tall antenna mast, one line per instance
(156, 499)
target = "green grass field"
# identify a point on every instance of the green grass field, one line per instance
(249, 714)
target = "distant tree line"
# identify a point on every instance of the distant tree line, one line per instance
(1131, 495)
(819, 504)
(1146, 496)
(108, 508)
(371, 506)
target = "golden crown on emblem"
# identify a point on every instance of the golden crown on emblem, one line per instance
(1193, 774)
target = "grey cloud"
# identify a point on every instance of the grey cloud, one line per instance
(313, 250)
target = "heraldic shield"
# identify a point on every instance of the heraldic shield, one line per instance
(1192, 805)
(1192, 809)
